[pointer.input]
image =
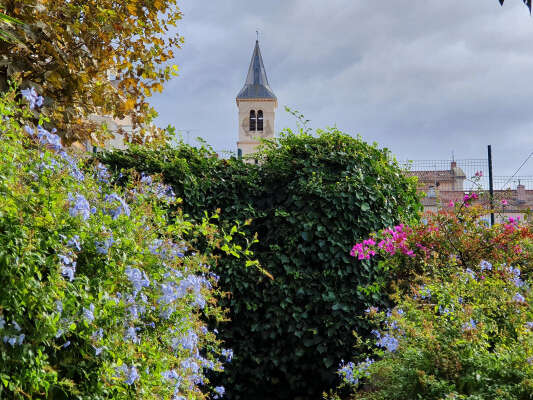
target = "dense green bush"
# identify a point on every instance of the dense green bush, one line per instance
(306, 199)
(100, 296)
(462, 327)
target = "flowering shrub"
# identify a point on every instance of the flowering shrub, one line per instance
(455, 238)
(100, 296)
(462, 327)
(468, 337)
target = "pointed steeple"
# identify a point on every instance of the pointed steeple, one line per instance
(256, 85)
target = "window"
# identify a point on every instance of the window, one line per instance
(260, 120)
(252, 121)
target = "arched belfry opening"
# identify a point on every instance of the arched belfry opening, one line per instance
(260, 120)
(252, 121)
(257, 105)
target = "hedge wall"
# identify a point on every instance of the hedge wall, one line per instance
(309, 199)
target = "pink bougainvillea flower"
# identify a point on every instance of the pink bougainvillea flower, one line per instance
(451, 203)
(505, 202)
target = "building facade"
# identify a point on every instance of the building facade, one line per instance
(443, 187)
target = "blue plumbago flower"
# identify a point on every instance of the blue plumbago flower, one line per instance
(68, 268)
(154, 247)
(347, 372)
(48, 139)
(50, 164)
(519, 298)
(16, 326)
(59, 306)
(102, 173)
(20, 338)
(470, 325)
(98, 350)
(167, 250)
(388, 342)
(167, 312)
(65, 259)
(400, 311)
(169, 375)
(122, 209)
(2, 323)
(74, 242)
(460, 300)
(135, 310)
(515, 272)
(529, 325)
(445, 310)
(425, 293)
(393, 325)
(68, 271)
(207, 363)
(190, 364)
(80, 206)
(228, 354)
(214, 276)
(103, 247)
(66, 344)
(351, 373)
(88, 313)
(485, 265)
(146, 179)
(131, 334)
(203, 330)
(72, 165)
(219, 390)
(471, 273)
(190, 284)
(13, 340)
(98, 334)
(29, 130)
(518, 282)
(59, 333)
(130, 373)
(33, 97)
(138, 279)
(161, 191)
(376, 333)
(189, 341)
(132, 376)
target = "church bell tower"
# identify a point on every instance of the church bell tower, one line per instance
(257, 106)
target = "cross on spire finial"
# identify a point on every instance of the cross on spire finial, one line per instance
(257, 32)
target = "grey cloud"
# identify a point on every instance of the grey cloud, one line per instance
(420, 77)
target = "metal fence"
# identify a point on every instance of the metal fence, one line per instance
(471, 167)
(225, 154)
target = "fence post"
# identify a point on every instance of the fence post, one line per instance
(491, 186)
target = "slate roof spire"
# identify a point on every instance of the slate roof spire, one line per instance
(256, 85)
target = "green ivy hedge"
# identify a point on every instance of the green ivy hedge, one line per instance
(307, 198)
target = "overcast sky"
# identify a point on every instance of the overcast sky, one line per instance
(421, 77)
